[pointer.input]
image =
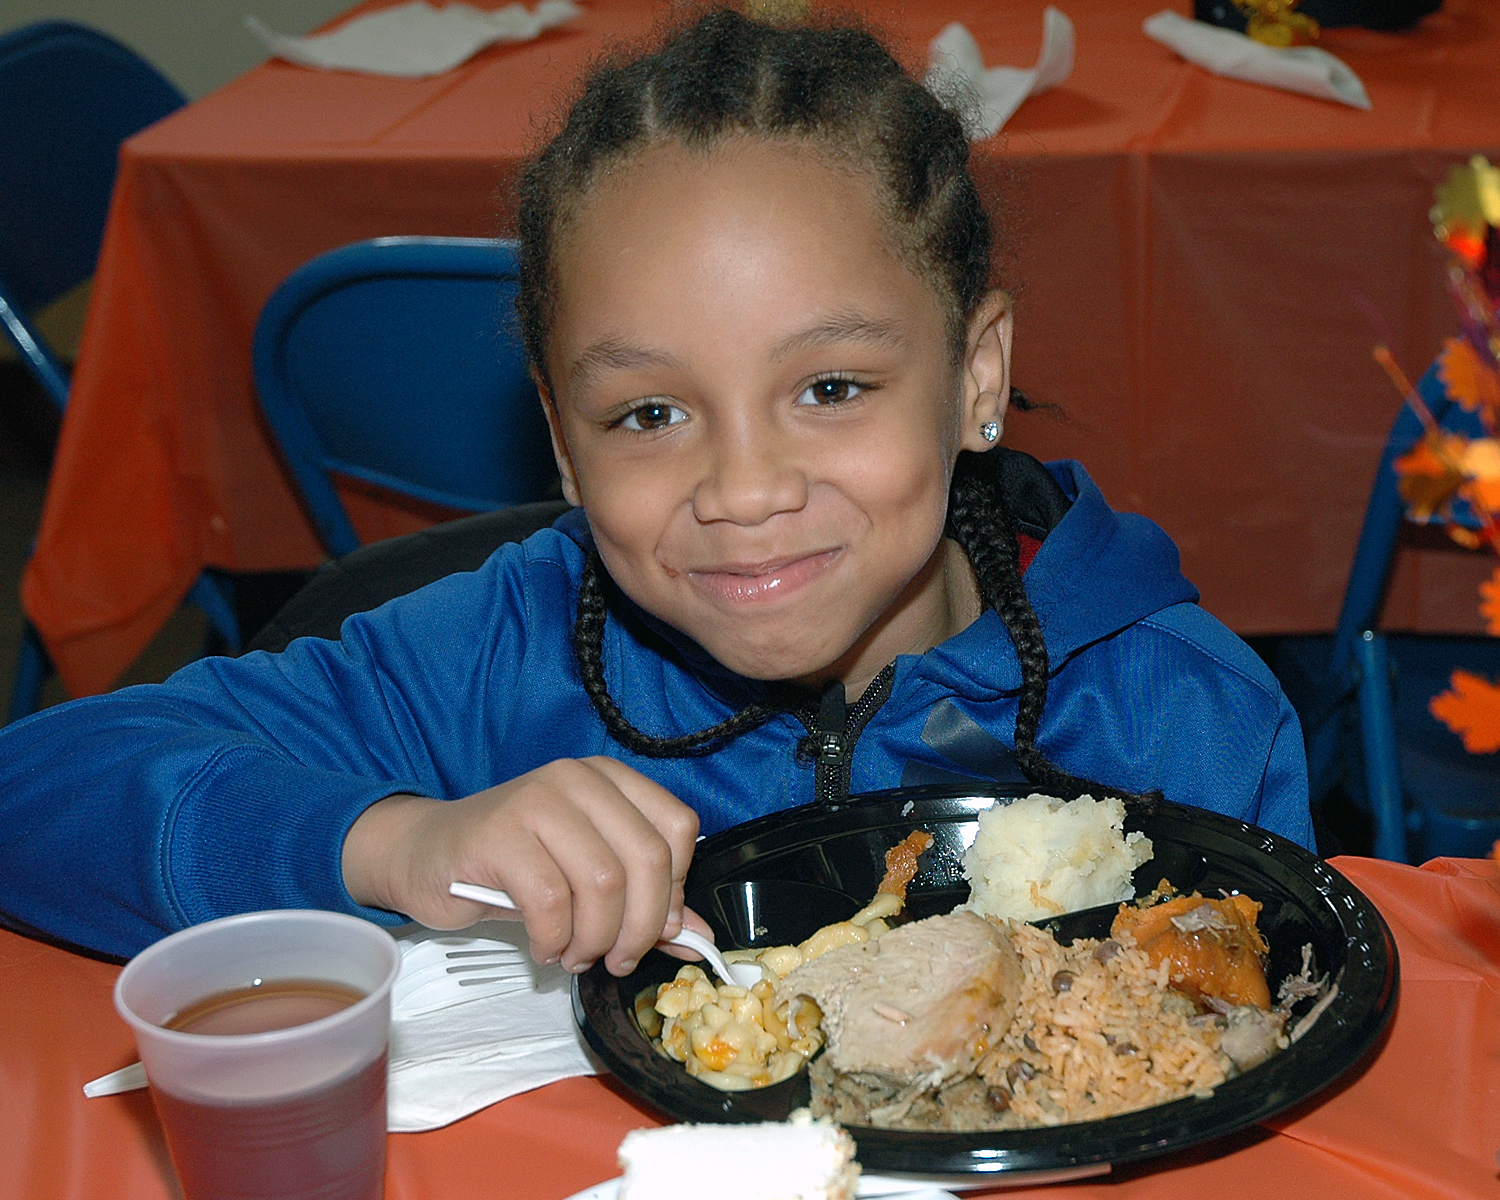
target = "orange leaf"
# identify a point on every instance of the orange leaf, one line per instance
(1472, 710)
(1489, 603)
(1467, 378)
(1468, 246)
(1485, 494)
(1430, 473)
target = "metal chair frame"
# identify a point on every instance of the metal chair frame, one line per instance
(79, 95)
(1354, 693)
(390, 362)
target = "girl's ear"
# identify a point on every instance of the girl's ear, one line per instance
(986, 376)
(559, 444)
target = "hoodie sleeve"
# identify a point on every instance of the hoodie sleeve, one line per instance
(1283, 800)
(1177, 702)
(1228, 738)
(231, 787)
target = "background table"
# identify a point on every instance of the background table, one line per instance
(1190, 255)
(1421, 1121)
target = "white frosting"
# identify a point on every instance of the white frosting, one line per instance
(800, 1159)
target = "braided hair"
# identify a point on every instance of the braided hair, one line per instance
(727, 75)
(588, 651)
(838, 87)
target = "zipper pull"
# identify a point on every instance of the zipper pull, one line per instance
(832, 731)
(833, 721)
(832, 746)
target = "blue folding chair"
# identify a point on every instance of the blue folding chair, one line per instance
(1362, 695)
(395, 362)
(68, 97)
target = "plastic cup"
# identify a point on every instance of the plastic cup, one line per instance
(286, 1113)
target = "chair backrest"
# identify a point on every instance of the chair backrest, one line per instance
(384, 570)
(68, 97)
(396, 362)
(1386, 511)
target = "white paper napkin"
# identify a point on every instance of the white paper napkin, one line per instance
(955, 65)
(414, 40)
(451, 1057)
(1303, 69)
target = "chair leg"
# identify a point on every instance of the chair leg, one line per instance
(212, 593)
(1382, 769)
(32, 668)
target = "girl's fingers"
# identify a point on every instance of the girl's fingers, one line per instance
(670, 817)
(593, 853)
(542, 891)
(622, 900)
(690, 920)
(613, 839)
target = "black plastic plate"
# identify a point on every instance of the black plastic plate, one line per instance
(775, 879)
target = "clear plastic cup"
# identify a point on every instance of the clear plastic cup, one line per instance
(291, 1112)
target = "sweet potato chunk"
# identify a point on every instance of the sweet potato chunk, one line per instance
(1213, 946)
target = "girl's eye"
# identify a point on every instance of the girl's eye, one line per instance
(830, 391)
(652, 415)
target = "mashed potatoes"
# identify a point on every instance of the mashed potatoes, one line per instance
(1040, 857)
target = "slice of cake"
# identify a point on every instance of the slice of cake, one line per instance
(798, 1159)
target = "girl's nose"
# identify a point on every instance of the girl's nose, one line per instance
(749, 477)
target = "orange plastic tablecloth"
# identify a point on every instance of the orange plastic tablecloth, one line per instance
(1420, 1121)
(1193, 255)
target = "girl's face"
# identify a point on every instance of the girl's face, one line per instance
(756, 404)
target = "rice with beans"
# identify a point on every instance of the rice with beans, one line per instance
(1097, 1032)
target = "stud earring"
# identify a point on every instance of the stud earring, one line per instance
(989, 431)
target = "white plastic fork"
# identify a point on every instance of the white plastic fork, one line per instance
(743, 975)
(443, 971)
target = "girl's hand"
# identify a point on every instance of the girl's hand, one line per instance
(594, 853)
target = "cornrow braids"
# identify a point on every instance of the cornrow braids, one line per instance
(588, 650)
(726, 76)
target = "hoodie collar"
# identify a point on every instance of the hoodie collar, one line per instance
(1097, 572)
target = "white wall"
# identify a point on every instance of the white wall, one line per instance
(198, 44)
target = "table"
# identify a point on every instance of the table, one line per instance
(1422, 1119)
(1192, 255)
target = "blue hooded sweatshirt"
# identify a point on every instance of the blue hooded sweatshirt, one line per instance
(231, 786)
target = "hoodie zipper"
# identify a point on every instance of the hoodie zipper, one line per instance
(835, 727)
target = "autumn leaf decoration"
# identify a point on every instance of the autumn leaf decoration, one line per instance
(1471, 708)
(1447, 478)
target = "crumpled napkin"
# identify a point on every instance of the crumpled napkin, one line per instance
(954, 64)
(414, 40)
(452, 1054)
(1303, 69)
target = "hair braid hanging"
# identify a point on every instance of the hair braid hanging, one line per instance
(588, 650)
(981, 522)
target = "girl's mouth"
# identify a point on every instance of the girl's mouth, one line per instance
(753, 583)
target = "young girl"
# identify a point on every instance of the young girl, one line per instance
(756, 298)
